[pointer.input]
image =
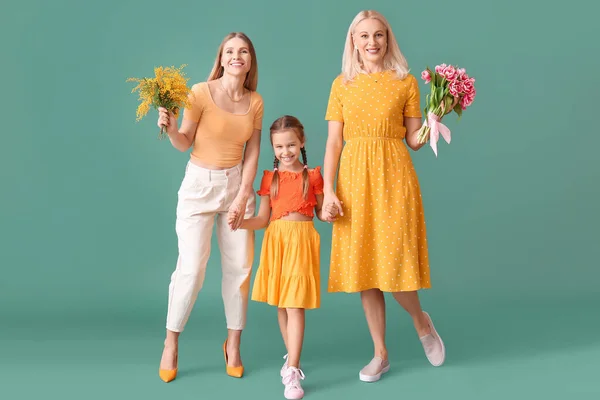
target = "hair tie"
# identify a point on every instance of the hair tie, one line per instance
(305, 166)
(275, 169)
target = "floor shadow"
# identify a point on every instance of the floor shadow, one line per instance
(199, 370)
(471, 334)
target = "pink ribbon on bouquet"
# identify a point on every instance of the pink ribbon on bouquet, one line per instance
(436, 127)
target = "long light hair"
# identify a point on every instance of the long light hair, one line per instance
(251, 81)
(393, 59)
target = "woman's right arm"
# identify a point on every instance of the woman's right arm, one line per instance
(333, 150)
(181, 138)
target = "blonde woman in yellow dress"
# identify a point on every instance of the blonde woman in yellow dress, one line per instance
(379, 241)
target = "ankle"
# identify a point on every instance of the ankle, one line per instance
(422, 325)
(233, 347)
(171, 345)
(381, 353)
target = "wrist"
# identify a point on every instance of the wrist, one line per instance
(244, 193)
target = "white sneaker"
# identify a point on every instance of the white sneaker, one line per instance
(285, 365)
(372, 371)
(433, 345)
(291, 379)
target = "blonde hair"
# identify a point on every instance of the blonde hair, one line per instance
(393, 59)
(288, 122)
(251, 81)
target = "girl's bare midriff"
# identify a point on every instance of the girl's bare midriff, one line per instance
(296, 217)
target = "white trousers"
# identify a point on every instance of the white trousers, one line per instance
(203, 198)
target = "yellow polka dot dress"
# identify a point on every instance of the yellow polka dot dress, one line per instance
(381, 240)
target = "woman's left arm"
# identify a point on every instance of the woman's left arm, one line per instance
(250, 165)
(414, 124)
(412, 128)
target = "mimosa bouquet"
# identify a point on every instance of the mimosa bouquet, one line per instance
(168, 88)
(449, 85)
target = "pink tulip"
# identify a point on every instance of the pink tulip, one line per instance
(455, 88)
(468, 86)
(426, 76)
(450, 73)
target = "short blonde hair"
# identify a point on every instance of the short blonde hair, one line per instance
(393, 59)
(251, 81)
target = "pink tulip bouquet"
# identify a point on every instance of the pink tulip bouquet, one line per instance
(450, 87)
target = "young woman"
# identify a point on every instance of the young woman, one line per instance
(223, 127)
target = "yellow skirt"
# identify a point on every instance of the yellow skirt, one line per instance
(288, 275)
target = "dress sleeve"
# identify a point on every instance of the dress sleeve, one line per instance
(412, 107)
(335, 106)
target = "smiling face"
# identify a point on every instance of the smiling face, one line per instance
(287, 147)
(370, 39)
(236, 58)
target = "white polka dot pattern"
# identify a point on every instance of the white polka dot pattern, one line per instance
(381, 240)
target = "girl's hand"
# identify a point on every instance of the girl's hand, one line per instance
(330, 212)
(235, 216)
(167, 120)
(231, 218)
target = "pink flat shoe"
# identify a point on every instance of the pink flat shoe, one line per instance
(291, 379)
(433, 345)
(373, 371)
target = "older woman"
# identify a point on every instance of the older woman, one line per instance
(222, 126)
(379, 241)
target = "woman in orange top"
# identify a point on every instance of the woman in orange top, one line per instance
(222, 126)
(288, 276)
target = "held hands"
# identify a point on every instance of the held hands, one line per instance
(235, 215)
(232, 217)
(332, 207)
(330, 212)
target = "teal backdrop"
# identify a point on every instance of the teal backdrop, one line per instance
(88, 196)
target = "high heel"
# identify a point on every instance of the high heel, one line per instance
(168, 375)
(236, 372)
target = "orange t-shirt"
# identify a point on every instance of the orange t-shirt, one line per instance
(289, 197)
(220, 135)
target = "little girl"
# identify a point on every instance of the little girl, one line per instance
(288, 276)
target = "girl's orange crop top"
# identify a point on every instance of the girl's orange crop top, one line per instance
(289, 198)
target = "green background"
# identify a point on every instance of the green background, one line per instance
(87, 241)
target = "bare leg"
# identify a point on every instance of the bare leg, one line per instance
(295, 335)
(282, 317)
(410, 302)
(169, 355)
(374, 307)
(432, 342)
(233, 348)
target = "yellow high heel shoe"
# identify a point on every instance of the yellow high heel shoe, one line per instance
(168, 375)
(236, 372)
